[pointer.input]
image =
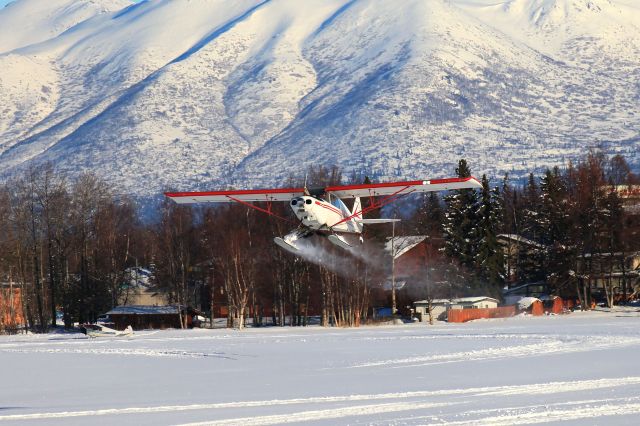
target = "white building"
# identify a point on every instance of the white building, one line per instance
(439, 307)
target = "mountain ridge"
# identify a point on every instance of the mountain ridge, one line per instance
(201, 94)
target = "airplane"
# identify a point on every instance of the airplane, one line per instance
(98, 330)
(321, 210)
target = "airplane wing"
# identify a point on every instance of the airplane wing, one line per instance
(243, 195)
(402, 188)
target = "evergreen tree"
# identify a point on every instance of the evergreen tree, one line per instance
(531, 209)
(429, 216)
(489, 260)
(509, 199)
(460, 220)
(554, 227)
(613, 229)
(530, 265)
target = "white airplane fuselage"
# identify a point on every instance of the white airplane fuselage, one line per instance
(321, 215)
(331, 219)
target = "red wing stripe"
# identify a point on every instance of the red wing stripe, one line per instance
(373, 185)
(265, 192)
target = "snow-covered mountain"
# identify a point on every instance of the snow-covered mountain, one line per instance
(188, 94)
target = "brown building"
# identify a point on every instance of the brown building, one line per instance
(141, 317)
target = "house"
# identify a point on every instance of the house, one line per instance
(480, 302)
(440, 307)
(142, 317)
(139, 289)
(515, 248)
(538, 289)
(630, 196)
(619, 272)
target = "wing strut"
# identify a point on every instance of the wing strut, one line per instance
(373, 205)
(260, 209)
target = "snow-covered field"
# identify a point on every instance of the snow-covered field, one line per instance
(580, 368)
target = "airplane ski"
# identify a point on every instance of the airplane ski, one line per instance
(339, 241)
(285, 245)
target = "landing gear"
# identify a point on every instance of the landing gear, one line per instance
(288, 242)
(340, 241)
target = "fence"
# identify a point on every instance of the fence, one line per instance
(464, 315)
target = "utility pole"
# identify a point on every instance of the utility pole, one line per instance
(394, 309)
(393, 269)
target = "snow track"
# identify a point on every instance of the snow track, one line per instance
(406, 401)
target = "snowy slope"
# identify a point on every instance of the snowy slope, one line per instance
(27, 22)
(209, 93)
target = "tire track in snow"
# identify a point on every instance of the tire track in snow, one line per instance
(313, 415)
(526, 389)
(164, 353)
(558, 346)
(535, 414)
(499, 417)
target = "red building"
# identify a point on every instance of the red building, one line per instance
(11, 315)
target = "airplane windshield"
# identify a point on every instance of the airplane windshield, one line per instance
(337, 202)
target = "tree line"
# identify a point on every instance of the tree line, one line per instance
(68, 244)
(572, 221)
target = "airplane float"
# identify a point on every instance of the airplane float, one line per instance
(321, 210)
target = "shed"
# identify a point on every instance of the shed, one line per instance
(439, 308)
(531, 305)
(479, 302)
(142, 317)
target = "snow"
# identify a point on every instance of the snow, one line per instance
(475, 299)
(27, 22)
(402, 244)
(519, 370)
(520, 239)
(208, 94)
(525, 302)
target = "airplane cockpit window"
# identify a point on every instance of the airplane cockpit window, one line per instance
(308, 201)
(337, 202)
